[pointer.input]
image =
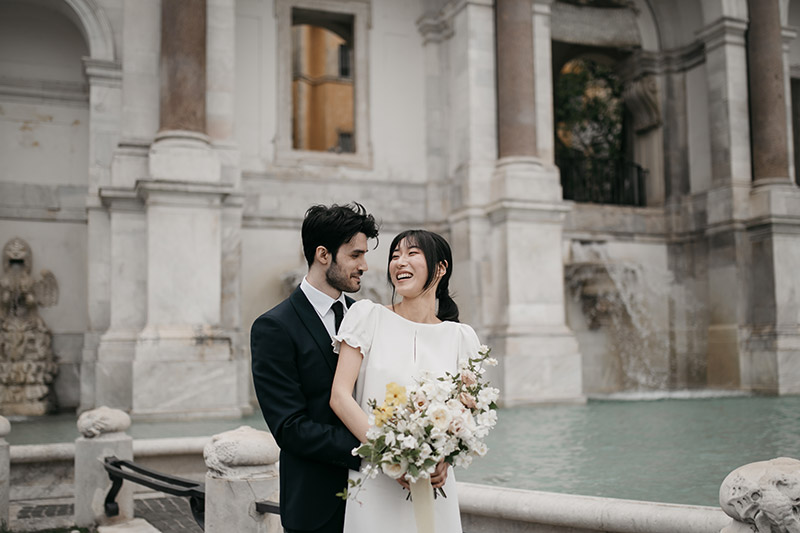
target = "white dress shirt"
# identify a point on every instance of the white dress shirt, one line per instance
(322, 304)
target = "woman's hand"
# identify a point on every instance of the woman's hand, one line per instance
(438, 477)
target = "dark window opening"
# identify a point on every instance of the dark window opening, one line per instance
(590, 137)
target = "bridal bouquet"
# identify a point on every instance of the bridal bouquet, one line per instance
(437, 419)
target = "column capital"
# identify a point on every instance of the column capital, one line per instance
(724, 31)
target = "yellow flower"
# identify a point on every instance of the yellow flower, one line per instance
(382, 414)
(395, 394)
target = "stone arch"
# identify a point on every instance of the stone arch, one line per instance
(95, 26)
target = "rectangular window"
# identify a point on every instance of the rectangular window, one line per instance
(322, 82)
(344, 61)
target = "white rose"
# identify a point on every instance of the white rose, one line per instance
(395, 470)
(439, 415)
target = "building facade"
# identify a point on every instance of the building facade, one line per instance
(158, 157)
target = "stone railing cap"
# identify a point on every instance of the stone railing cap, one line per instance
(241, 447)
(102, 420)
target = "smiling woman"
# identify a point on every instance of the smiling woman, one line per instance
(417, 255)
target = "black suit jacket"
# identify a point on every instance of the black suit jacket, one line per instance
(293, 366)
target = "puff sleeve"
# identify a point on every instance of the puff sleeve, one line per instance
(358, 327)
(469, 343)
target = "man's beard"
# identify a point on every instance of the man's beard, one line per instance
(340, 281)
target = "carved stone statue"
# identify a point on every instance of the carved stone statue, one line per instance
(27, 362)
(763, 497)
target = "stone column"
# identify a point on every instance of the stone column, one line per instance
(105, 98)
(184, 357)
(5, 472)
(242, 469)
(516, 112)
(773, 346)
(127, 223)
(729, 194)
(541, 362)
(767, 93)
(103, 435)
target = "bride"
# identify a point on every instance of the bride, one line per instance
(381, 344)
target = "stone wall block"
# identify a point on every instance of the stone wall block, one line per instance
(103, 435)
(241, 470)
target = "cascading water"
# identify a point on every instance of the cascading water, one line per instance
(629, 304)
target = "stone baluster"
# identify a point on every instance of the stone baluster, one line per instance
(5, 471)
(762, 494)
(241, 469)
(103, 435)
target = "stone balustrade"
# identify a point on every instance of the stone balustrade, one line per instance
(242, 469)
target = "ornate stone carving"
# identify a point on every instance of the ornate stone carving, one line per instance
(27, 362)
(763, 497)
(244, 451)
(103, 420)
(641, 97)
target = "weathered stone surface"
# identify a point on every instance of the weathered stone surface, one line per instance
(763, 494)
(27, 361)
(103, 420)
(241, 452)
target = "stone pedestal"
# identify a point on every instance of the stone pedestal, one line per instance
(540, 357)
(183, 357)
(771, 363)
(103, 431)
(242, 469)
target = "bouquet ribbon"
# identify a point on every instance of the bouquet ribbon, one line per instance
(422, 500)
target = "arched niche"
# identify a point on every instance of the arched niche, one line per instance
(619, 34)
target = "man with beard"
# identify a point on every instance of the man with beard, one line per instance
(293, 366)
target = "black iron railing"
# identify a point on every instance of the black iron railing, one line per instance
(120, 469)
(602, 180)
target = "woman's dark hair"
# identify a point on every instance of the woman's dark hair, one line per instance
(333, 226)
(436, 250)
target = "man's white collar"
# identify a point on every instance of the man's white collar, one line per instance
(321, 301)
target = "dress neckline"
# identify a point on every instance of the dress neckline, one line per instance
(404, 319)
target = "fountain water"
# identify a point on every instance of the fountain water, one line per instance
(623, 325)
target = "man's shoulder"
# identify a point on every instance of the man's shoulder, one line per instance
(279, 311)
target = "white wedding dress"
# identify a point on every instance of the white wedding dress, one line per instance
(398, 350)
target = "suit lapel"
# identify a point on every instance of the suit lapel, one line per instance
(314, 326)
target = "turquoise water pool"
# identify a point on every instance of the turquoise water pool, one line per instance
(669, 450)
(674, 450)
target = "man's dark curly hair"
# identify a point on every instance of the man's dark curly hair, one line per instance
(332, 226)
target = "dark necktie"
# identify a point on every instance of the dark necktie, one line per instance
(338, 314)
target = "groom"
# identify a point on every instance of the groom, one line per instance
(293, 366)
